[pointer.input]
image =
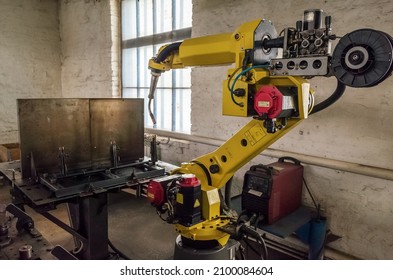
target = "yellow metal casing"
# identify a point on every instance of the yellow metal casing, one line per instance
(218, 49)
(207, 230)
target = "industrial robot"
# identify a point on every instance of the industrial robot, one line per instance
(269, 84)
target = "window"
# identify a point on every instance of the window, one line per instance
(146, 26)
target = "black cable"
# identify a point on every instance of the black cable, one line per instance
(258, 220)
(253, 249)
(309, 192)
(263, 246)
(241, 252)
(228, 188)
(223, 205)
(117, 251)
(241, 217)
(229, 86)
(167, 51)
(264, 253)
(259, 239)
(231, 77)
(339, 91)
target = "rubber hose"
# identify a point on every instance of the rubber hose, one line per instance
(228, 188)
(339, 91)
(167, 51)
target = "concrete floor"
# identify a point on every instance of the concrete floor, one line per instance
(134, 227)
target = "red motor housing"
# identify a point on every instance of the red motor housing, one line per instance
(156, 190)
(272, 102)
(155, 193)
(268, 101)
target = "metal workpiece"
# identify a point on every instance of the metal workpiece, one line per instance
(74, 134)
(120, 120)
(57, 123)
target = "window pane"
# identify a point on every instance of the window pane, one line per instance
(183, 77)
(145, 18)
(130, 93)
(163, 15)
(129, 73)
(145, 53)
(128, 17)
(165, 80)
(183, 14)
(164, 109)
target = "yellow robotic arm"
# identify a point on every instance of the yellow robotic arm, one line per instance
(271, 90)
(215, 49)
(218, 49)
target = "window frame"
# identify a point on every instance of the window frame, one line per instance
(155, 40)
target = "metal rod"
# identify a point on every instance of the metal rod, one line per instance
(64, 226)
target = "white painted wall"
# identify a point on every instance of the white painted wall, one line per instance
(29, 57)
(52, 48)
(85, 31)
(357, 129)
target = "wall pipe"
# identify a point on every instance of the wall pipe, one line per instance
(366, 170)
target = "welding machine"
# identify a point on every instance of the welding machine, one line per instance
(274, 190)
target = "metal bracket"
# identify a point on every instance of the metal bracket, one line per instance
(301, 66)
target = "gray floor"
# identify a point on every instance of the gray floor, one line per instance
(134, 227)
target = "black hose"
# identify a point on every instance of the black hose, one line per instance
(259, 239)
(228, 187)
(260, 254)
(223, 205)
(340, 89)
(273, 43)
(167, 51)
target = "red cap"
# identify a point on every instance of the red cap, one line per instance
(189, 180)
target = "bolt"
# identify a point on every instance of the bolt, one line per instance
(214, 168)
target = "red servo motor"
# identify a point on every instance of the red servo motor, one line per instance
(272, 103)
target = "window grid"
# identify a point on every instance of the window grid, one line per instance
(146, 19)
